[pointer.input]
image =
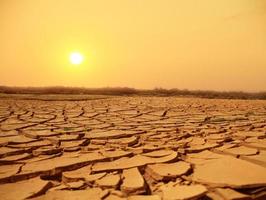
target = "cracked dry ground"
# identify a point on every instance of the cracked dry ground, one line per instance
(133, 148)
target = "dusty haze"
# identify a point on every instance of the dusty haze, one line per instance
(217, 45)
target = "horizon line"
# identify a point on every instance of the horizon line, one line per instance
(131, 88)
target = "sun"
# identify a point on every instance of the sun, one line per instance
(76, 58)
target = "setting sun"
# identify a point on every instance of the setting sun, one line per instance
(76, 58)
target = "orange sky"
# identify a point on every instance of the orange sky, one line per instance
(193, 44)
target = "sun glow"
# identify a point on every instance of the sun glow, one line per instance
(76, 58)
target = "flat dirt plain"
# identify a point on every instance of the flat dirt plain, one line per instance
(136, 148)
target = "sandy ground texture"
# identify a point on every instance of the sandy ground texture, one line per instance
(135, 148)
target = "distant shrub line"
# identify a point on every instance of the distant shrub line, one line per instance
(132, 91)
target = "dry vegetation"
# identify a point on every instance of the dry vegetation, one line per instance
(132, 91)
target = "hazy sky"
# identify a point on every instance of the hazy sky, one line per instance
(193, 44)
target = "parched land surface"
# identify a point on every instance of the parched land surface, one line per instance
(133, 148)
